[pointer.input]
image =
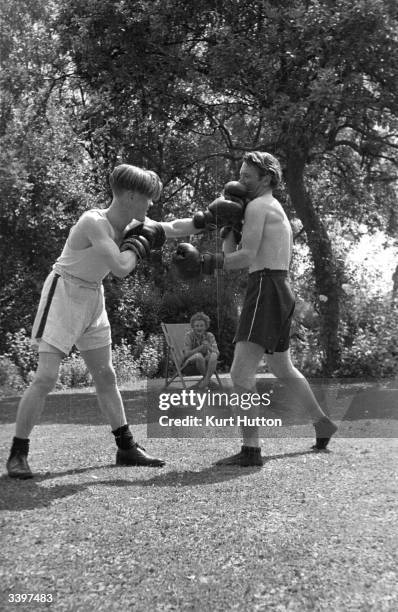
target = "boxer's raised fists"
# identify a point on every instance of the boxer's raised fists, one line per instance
(143, 238)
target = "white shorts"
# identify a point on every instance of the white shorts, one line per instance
(71, 312)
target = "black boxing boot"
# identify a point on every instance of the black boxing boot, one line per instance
(17, 464)
(248, 456)
(130, 452)
(324, 430)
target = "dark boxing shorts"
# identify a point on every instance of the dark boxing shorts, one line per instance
(267, 311)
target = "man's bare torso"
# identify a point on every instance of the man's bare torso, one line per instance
(275, 249)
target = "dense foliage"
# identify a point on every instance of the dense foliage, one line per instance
(184, 88)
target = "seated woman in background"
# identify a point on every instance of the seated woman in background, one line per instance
(200, 348)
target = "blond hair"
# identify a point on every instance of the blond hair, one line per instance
(132, 178)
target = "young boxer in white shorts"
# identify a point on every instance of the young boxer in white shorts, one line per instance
(72, 310)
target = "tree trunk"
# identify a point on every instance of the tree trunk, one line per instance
(394, 293)
(328, 273)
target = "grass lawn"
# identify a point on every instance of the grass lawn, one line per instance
(304, 532)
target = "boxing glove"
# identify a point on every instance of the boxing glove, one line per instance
(226, 212)
(212, 262)
(190, 263)
(235, 191)
(204, 220)
(153, 232)
(142, 238)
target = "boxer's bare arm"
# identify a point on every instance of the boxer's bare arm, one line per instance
(97, 232)
(179, 228)
(252, 233)
(229, 244)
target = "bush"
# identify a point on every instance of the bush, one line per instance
(367, 358)
(18, 365)
(126, 367)
(133, 306)
(306, 354)
(371, 355)
(148, 353)
(369, 338)
(22, 353)
(10, 377)
(73, 373)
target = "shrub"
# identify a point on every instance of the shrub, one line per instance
(133, 305)
(369, 356)
(73, 373)
(10, 377)
(306, 354)
(18, 365)
(22, 353)
(149, 353)
(126, 367)
(369, 338)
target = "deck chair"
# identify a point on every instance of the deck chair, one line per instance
(174, 334)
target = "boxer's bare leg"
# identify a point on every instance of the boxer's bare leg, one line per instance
(99, 364)
(243, 373)
(281, 366)
(247, 357)
(32, 401)
(30, 408)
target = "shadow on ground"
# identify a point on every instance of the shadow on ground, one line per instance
(29, 494)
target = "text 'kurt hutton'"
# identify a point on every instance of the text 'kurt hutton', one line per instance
(213, 421)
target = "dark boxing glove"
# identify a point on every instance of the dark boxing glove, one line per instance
(212, 262)
(226, 210)
(236, 192)
(143, 238)
(154, 233)
(204, 220)
(220, 212)
(187, 261)
(190, 263)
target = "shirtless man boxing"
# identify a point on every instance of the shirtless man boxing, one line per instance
(264, 325)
